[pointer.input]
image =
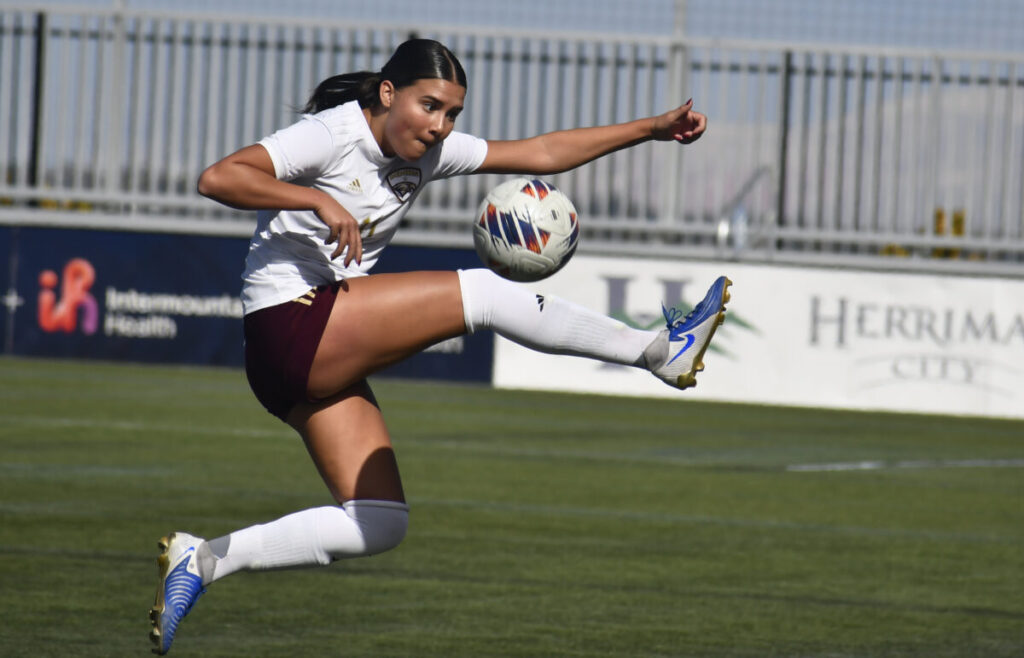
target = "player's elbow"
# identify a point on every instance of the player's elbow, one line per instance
(211, 182)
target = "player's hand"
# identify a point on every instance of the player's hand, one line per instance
(343, 229)
(681, 124)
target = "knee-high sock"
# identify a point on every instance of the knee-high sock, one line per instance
(312, 537)
(547, 323)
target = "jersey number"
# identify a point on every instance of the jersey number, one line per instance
(367, 227)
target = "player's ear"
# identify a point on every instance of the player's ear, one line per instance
(386, 93)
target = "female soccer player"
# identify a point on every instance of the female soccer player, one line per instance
(331, 191)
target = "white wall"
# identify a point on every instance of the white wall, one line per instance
(806, 337)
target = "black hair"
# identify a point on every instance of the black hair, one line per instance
(413, 60)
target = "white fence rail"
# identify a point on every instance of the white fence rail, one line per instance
(888, 159)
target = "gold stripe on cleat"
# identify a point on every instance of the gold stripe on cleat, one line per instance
(163, 562)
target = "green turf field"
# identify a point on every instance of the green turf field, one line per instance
(542, 525)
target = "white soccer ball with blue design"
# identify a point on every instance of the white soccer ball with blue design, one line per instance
(526, 230)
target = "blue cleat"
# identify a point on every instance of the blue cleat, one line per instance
(676, 355)
(179, 588)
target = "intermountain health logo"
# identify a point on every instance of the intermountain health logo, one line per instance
(129, 314)
(76, 307)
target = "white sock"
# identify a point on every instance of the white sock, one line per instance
(312, 537)
(546, 323)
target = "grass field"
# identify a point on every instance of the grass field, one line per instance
(542, 525)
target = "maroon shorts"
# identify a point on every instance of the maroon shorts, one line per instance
(280, 343)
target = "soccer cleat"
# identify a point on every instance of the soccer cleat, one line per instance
(179, 588)
(676, 355)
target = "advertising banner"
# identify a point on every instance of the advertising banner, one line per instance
(10, 298)
(125, 296)
(804, 337)
(163, 298)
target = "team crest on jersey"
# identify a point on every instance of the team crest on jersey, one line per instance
(403, 182)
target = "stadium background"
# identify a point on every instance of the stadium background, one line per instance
(880, 138)
(543, 523)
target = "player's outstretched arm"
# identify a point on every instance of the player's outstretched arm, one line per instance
(559, 151)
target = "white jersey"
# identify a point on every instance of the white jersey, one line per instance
(335, 151)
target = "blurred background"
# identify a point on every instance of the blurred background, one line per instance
(860, 182)
(848, 142)
(874, 134)
(980, 25)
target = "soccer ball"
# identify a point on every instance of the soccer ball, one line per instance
(526, 230)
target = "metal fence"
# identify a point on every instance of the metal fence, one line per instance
(873, 158)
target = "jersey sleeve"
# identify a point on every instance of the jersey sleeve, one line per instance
(461, 153)
(303, 149)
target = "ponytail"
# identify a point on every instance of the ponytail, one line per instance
(413, 60)
(363, 86)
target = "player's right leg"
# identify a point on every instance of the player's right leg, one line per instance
(350, 445)
(180, 586)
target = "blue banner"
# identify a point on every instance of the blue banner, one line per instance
(168, 298)
(11, 300)
(127, 296)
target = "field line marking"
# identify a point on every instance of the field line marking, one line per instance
(514, 451)
(144, 426)
(918, 464)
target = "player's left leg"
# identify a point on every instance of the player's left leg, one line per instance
(549, 324)
(380, 319)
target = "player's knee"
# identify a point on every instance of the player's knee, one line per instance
(383, 523)
(389, 534)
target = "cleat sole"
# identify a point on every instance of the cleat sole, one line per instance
(163, 562)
